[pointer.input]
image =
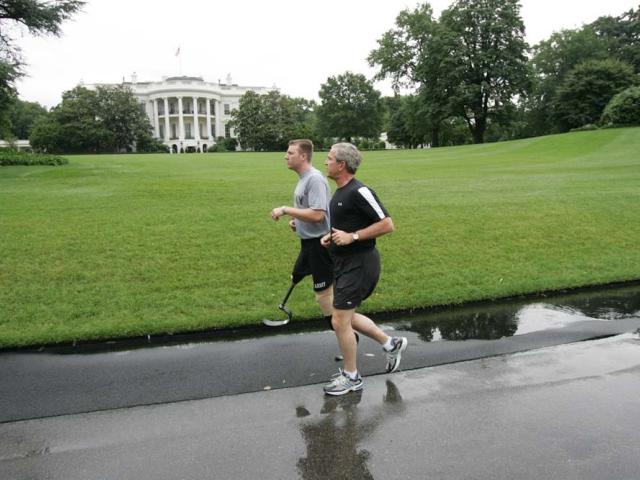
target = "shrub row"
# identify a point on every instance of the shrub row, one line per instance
(11, 157)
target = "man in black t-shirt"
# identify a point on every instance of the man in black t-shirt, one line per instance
(357, 219)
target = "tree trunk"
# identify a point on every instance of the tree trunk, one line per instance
(478, 130)
(435, 137)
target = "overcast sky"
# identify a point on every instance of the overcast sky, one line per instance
(292, 44)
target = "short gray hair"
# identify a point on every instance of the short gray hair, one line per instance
(348, 153)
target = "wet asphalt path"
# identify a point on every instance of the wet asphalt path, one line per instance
(568, 412)
(51, 383)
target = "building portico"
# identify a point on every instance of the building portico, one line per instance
(188, 114)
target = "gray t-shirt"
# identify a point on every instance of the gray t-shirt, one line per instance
(312, 191)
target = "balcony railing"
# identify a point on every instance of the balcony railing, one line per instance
(202, 113)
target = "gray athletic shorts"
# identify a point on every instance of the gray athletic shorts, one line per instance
(355, 278)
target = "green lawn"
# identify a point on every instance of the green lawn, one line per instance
(126, 245)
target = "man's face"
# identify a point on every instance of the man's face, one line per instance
(294, 158)
(332, 165)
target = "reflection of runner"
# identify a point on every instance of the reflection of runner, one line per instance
(357, 219)
(333, 442)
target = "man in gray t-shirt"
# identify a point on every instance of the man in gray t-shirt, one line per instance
(310, 220)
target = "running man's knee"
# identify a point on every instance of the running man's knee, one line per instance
(341, 319)
(325, 300)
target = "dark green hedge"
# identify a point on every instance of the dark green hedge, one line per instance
(11, 157)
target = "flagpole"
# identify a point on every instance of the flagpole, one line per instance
(179, 61)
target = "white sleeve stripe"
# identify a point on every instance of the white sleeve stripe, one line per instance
(368, 196)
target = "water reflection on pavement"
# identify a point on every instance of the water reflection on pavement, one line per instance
(333, 443)
(519, 317)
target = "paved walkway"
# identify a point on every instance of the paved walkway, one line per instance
(68, 381)
(562, 412)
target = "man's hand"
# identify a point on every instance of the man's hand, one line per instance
(277, 212)
(292, 224)
(326, 240)
(341, 238)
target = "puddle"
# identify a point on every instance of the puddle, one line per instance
(481, 321)
(518, 317)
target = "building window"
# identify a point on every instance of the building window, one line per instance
(213, 131)
(173, 131)
(227, 131)
(227, 109)
(187, 130)
(161, 131)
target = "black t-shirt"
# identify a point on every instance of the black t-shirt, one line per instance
(354, 207)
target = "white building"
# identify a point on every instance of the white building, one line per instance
(187, 113)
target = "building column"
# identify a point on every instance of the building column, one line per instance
(209, 134)
(219, 130)
(167, 130)
(196, 124)
(156, 120)
(180, 123)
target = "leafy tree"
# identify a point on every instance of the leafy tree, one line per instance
(552, 61)
(149, 144)
(396, 125)
(624, 108)
(75, 127)
(8, 73)
(351, 107)
(22, 116)
(108, 119)
(408, 126)
(402, 51)
(471, 63)
(39, 18)
(220, 146)
(554, 58)
(46, 136)
(455, 131)
(123, 116)
(621, 36)
(305, 120)
(486, 40)
(268, 122)
(588, 89)
(413, 55)
(247, 120)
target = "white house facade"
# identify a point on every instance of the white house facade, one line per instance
(188, 114)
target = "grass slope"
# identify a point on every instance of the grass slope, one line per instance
(126, 245)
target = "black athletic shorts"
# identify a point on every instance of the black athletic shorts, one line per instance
(355, 278)
(314, 260)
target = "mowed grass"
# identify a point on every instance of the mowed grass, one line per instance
(124, 245)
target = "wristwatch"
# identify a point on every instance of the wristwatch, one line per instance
(355, 236)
